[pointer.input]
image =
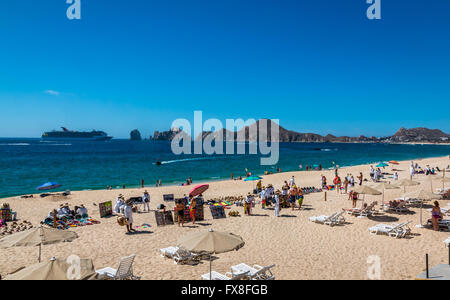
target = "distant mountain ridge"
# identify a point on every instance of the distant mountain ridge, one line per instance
(255, 133)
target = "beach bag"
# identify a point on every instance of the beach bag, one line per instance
(122, 221)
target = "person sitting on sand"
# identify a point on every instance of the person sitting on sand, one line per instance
(82, 211)
(128, 213)
(436, 215)
(258, 186)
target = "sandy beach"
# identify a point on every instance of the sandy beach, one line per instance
(299, 248)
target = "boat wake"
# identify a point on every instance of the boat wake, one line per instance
(181, 160)
(15, 144)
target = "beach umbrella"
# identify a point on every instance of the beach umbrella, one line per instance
(199, 189)
(210, 242)
(55, 269)
(421, 195)
(48, 186)
(366, 190)
(393, 162)
(37, 237)
(430, 180)
(253, 178)
(406, 182)
(385, 186)
(382, 165)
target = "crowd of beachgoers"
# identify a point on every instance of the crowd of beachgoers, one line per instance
(278, 213)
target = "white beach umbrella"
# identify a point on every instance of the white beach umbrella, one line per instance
(384, 186)
(37, 237)
(210, 242)
(421, 195)
(406, 182)
(366, 190)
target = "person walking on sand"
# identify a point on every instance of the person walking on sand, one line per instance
(146, 200)
(436, 214)
(337, 184)
(291, 182)
(193, 208)
(248, 204)
(360, 177)
(263, 197)
(277, 203)
(128, 213)
(292, 195)
(346, 182)
(300, 197)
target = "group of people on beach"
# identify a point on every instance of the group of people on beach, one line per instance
(187, 203)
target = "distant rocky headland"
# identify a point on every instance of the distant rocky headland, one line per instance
(252, 133)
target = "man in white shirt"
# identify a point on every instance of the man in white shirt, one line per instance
(412, 171)
(291, 182)
(146, 200)
(263, 198)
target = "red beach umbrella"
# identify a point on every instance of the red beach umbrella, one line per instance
(199, 189)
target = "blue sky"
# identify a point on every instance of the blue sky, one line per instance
(317, 66)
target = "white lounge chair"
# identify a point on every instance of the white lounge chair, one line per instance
(361, 212)
(256, 272)
(401, 207)
(332, 220)
(183, 256)
(443, 224)
(168, 252)
(228, 276)
(447, 242)
(123, 272)
(397, 231)
(321, 219)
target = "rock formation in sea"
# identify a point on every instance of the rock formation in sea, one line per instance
(256, 132)
(135, 135)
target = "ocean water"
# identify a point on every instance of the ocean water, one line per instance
(28, 163)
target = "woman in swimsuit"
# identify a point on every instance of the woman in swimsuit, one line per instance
(180, 211)
(192, 209)
(436, 215)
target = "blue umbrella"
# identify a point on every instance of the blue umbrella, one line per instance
(252, 178)
(48, 186)
(382, 165)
